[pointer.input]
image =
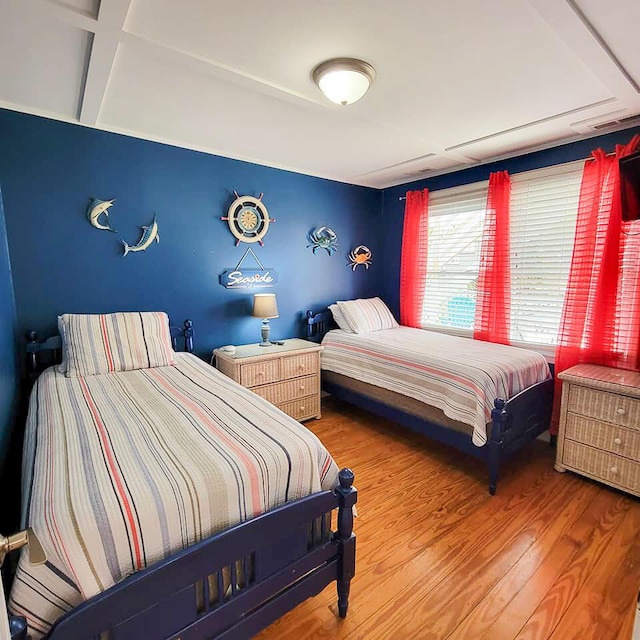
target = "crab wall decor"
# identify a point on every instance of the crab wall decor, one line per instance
(323, 238)
(360, 255)
(248, 219)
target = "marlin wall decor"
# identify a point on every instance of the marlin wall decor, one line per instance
(243, 278)
(149, 234)
(98, 208)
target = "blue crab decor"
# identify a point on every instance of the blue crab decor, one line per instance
(323, 238)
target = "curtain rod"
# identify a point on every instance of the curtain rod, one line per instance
(590, 159)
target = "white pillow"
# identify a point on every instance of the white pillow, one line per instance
(339, 318)
(365, 315)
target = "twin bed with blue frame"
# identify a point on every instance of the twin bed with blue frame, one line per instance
(285, 555)
(515, 422)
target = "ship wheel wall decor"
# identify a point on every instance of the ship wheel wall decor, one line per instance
(248, 219)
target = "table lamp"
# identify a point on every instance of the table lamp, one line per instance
(265, 307)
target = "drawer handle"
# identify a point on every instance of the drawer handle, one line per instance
(300, 366)
(301, 387)
(260, 373)
(614, 470)
(617, 441)
(301, 407)
(621, 411)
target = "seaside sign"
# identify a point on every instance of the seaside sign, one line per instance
(245, 278)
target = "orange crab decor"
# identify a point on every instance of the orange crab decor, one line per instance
(360, 255)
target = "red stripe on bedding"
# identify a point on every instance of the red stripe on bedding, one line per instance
(115, 473)
(105, 339)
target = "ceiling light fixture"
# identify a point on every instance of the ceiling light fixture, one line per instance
(344, 80)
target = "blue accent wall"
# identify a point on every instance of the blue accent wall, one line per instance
(393, 207)
(49, 170)
(8, 378)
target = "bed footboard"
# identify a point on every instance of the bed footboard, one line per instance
(516, 423)
(233, 584)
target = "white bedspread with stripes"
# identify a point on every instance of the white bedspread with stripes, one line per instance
(460, 376)
(124, 469)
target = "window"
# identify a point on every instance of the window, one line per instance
(456, 219)
(544, 206)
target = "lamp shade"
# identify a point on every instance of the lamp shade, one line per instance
(265, 305)
(344, 80)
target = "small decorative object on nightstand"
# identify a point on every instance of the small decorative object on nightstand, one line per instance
(599, 434)
(287, 374)
(265, 307)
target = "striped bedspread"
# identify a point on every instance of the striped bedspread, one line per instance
(123, 469)
(462, 377)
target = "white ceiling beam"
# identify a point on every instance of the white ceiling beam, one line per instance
(572, 26)
(111, 19)
(44, 8)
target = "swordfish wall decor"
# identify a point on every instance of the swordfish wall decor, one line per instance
(149, 234)
(100, 208)
(96, 209)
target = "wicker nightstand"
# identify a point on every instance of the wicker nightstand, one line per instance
(599, 433)
(286, 375)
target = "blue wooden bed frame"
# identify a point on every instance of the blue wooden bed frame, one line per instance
(514, 423)
(284, 556)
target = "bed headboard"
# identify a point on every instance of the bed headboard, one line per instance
(41, 355)
(317, 324)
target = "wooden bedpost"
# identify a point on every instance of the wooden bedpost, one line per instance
(18, 628)
(498, 418)
(309, 328)
(348, 496)
(32, 352)
(188, 336)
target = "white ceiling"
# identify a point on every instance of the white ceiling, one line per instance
(458, 81)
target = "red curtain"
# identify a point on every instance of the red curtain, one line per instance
(601, 312)
(628, 312)
(493, 303)
(413, 267)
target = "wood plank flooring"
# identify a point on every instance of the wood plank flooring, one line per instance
(551, 555)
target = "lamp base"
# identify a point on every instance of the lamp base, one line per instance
(265, 330)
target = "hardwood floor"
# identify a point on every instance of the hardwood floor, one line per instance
(550, 556)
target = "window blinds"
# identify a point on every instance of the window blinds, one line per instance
(544, 205)
(456, 218)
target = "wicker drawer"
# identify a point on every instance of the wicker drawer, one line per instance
(608, 437)
(256, 373)
(605, 467)
(604, 405)
(303, 408)
(300, 365)
(280, 392)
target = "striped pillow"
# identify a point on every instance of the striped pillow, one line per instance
(96, 344)
(367, 315)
